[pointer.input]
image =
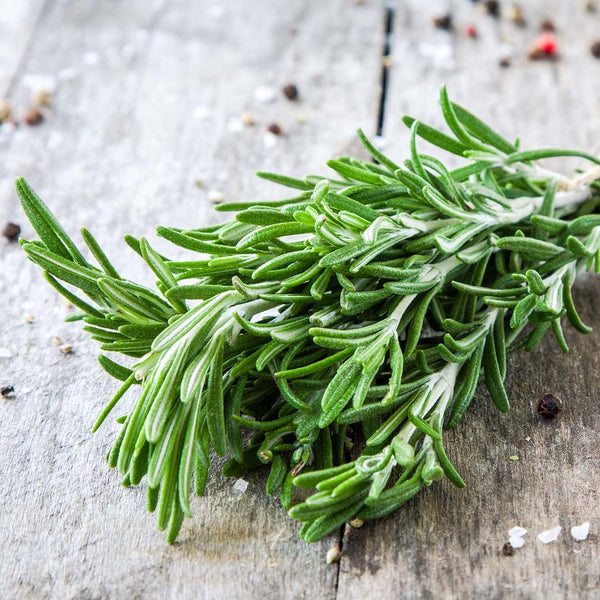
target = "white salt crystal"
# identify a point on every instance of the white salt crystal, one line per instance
(516, 541)
(35, 81)
(5, 353)
(240, 486)
(580, 532)
(235, 125)
(201, 112)
(265, 94)
(216, 197)
(517, 531)
(91, 59)
(550, 535)
(269, 139)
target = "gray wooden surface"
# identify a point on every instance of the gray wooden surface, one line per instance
(146, 102)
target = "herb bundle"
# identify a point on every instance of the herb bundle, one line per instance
(333, 335)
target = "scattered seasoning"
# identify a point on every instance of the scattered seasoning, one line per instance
(595, 49)
(388, 60)
(507, 549)
(28, 318)
(275, 129)
(590, 6)
(471, 31)
(516, 542)
(504, 63)
(240, 486)
(548, 407)
(56, 341)
(11, 232)
(515, 15)
(290, 91)
(517, 531)
(199, 184)
(545, 47)
(33, 116)
(7, 390)
(301, 118)
(356, 523)
(492, 7)
(514, 457)
(443, 22)
(215, 196)
(41, 97)
(5, 109)
(66, 348)
(547, 25)
(550, 535)
(247, 119)
(579, 532)
(333, 555)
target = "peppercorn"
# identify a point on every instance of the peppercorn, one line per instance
(290, 91)
(275, 129)
(595, 49)
(507, 549)
(492, 7)
(33, 116)
(443, 22)
(548, 406)
(11, 231)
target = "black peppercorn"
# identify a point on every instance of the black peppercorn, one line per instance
(548, 406)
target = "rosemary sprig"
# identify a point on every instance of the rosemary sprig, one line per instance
(363, 309)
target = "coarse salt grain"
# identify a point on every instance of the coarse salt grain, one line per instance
(269, 139)
(265, 94)
(5, 353)
(235, 125)
(550, 535)
(91, 59)
(580, 532)
(517, 531)
(215, 196)
(240, 486)
(516, 541)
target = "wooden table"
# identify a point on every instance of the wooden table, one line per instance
(147, 103)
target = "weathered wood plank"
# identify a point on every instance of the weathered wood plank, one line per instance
(447, 543)
(142, 109)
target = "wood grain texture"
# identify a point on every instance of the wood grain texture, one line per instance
(146, 94)
(447, 543)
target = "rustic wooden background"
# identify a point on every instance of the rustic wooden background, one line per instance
(147, 101)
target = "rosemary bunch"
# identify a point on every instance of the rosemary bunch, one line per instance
(334, 334)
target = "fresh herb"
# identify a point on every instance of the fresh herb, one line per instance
(332, 335)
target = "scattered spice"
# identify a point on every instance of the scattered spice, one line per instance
(580, 532)
(492, 7)
(199, 184)
(33, 116)
(41, 97)
(443, 21)
(356, 523)
(5, 109)
(215, 196)
(504, 63)
(550, 535)
(11, 231)
(301, 118)
(28, 318)
(388, 60)
(547, 25)
(507, 549)
(333, 555)
(590, 6)
(595, 49)
(545, 47)
(514, 457)
(471, 30)
(56, 341)
(549, 406)
(66, 348)
(247, 119)
(275, 129)
(290, 91)
(515, 15)
(7, 390)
